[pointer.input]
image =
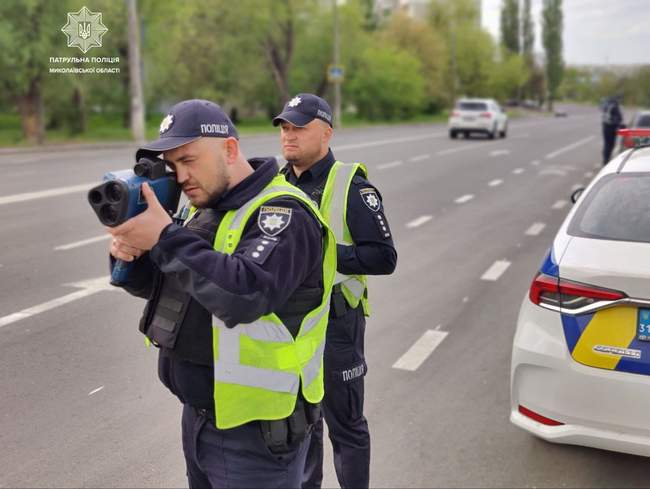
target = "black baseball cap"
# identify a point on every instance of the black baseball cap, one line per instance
(304, 108)
(187, 121)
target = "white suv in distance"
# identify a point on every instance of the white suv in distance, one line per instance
(478, 115)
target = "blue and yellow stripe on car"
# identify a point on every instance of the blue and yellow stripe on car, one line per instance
(593, 340)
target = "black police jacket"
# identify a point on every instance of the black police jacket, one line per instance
(185, 279)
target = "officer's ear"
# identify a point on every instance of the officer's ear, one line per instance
(327, 133)
(231, 150)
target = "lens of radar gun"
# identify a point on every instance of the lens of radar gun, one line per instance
(95, 197)
(113, 192)
(108, 214)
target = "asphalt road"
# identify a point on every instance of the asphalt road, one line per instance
(80, 403)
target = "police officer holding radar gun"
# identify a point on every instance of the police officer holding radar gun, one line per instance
(364, 246)
(237, 288)
(612, 121)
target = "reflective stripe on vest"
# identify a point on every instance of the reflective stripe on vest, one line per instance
(334, 208)
(259, 367)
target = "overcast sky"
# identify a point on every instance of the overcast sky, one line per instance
(595, 31)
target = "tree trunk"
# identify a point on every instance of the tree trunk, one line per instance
(79, 124)
(30, 107)
(137, 100)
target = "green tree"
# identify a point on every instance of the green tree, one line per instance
(388, 84)
(28, 30)
(552, 26)
(508, 76)
(475, 51)
(428, 46)
(527, 33)
(510, 25)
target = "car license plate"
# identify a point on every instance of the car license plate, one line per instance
(468, 119)
(643, 325)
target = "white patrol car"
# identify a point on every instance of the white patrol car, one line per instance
(580, 371)
(481, 115)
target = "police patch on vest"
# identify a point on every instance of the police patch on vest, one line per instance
(273, 220)
(370, 198)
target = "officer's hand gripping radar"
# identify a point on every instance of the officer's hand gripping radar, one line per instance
(119, 198)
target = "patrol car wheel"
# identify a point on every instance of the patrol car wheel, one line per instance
(493, 133)
(453, 134)
(504, 132)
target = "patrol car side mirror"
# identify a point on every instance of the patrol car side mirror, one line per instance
(576, 194)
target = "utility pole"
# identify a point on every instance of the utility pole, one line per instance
(337, 83)
(135, 75)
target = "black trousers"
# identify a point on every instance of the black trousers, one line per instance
(609, 139)
(237, 457)
(342, 406)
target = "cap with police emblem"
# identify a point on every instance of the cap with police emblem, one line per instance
(304, 108)
(187, 121)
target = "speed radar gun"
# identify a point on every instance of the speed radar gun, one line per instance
(119, 198)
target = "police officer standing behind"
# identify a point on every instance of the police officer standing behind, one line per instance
(237, 293)
(353, 208)
(612, 119)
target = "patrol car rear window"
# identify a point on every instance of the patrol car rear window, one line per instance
(643, 121)
(617, 208)
(478, 106)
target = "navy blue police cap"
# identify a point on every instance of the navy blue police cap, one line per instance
(188, 121)
(304, 108)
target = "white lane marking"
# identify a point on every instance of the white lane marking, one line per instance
(464, 198)
(499, 152)
(83, 242)
(392, 164)
(465, 300)
(495, 183)
(12, 199)
(419, 221)
(419, 158)
(560, 204)
(420, 350)
(518, 171)
(534, 163)
(535, 229)
(554, 171)
(495, 271)
(95, 391)
(387, 141)
(88, 287)
(569, 147)
(589, 174)
(464, 148)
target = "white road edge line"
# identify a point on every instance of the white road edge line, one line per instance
(382, 142)
(83, 242)
(392, 164)
(534, 163)
(569, 147)
(499, 152)
(495, 183)
(535, 229)
(495, 271)
(464, 198)
(560, 204)
(420, 350)
(418, 222)
(518, 171)
(12, 199)
(89, 287)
